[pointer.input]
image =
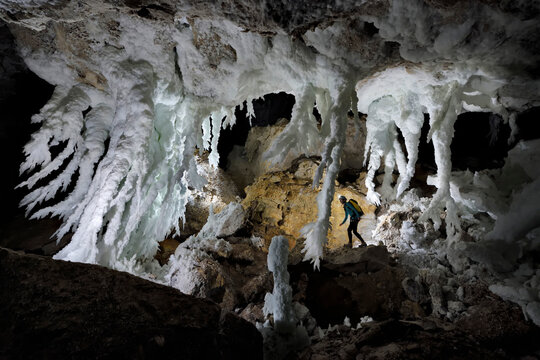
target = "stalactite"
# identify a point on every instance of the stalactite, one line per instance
(315, 233)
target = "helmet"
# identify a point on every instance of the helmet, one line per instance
(341, 197)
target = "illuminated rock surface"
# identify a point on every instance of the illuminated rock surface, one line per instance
(280, 203)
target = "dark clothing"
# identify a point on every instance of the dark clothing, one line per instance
(353, 224)
(352, 229)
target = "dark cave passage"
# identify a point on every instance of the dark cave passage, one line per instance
(480, 141)
(268, 110)
(23, 96)
(528, 123)
(368, 284)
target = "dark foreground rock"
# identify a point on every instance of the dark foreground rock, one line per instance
(351, 282)
(408, 323)
(422, 339)
(59, 310)
(32, 236)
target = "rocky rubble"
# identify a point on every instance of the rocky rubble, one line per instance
(395, 339)
(418, 308)
(421, 309)
(433, 315)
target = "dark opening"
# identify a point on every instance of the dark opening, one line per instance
(144, 13)
(426, 154)
(348, 176)
(391, 49)
(22, 94)
(317, 116)
(480, 141)
(268, 111)
(528, 123)
(370, 29)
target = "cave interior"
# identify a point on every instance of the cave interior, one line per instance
(172, 174)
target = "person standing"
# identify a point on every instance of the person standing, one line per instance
(350, 210)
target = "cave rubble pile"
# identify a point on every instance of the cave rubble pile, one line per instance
(483, 249)
(421, 339)
(435, 314)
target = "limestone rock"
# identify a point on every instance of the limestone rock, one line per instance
(533, 311)
(253, 313)
(414, 290)
(229, 273)
(166, 248)
(219, 191)
(224, 224)
(455, 306)
(353, 151)
(390, 226)
(437, 299)
(245, 163)
(58, 309)
(492, 320)
(370, 259)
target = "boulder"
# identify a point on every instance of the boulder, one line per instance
(219, 191)
(414, 290)
(246, 163)
(54, 310)
(232, 273)
(34, 236)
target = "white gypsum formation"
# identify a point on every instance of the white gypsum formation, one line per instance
(159, 89)
(397, 98)
(279, 302)
(285, 336)
(316, 232)
(133, 151)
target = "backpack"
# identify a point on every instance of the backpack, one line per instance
(354, 203)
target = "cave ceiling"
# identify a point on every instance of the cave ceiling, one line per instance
(140, 85)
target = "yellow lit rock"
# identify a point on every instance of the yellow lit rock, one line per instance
(281, 203)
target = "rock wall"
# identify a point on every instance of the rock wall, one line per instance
(246, 164)
(219, 191)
